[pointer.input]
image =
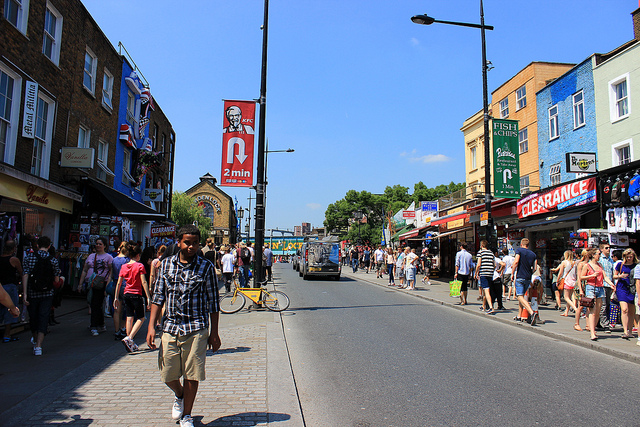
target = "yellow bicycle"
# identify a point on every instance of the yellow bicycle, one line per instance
(234, 301)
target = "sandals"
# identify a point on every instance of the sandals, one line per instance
(577, 327)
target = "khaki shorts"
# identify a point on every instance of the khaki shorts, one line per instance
(183, 356)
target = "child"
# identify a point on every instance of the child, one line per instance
(133, 274)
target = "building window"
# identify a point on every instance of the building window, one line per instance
(524, 184)
(52, 34)
(523, 140)
(164, 138)
(521, 98)
(131, 107)
(553, 123)
(578, 110)
(473, 157)
(622, 153)
(155, 137)
(620, 104)
(107, 89)
(9, 110)
(17, 12)
(43, 135)
(103, 157)
(504, 108)
(90, 66)
(84, 137)
(554, 174)
(126, 169)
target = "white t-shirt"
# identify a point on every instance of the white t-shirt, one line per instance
(408, 262)
(508, 262)
(228, 261)
(379, 255)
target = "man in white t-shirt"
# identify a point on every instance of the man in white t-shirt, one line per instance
(228, 267)
(506, 274)
(410, 262)
(378, 257)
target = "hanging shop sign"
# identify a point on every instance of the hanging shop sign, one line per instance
(22, 191)
(581, 162)
(237, 144)
(29, 116)
(570, 195)
(152, 195)
(408, 214)
(506, 162)
(74, 157)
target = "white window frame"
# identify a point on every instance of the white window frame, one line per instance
(554, 127)
(524, 187)
(521, 97)
(22, 17)
(107, 93)
(578, 110)
(555, 176)
(84, 137)
(155, 137)
(131, 107)
(614, 101)
(616, 160)
(523, 143)
(90, 73)
(473, 153)
(102, 158)
(504, 108)
(14, 116)
(55, 38)
(127, 179)
(42, 143)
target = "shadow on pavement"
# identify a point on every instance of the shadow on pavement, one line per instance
(293, 310)
(229, 350)
(245, 419)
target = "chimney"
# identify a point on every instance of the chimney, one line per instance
(636, 23)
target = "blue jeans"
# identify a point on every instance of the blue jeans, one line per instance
(244, 276)
(354, 265)
(594, 292)
(522, 285)
(39, 310)
(485, 282)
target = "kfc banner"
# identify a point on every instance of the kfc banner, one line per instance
(237, 143)
(564, 196)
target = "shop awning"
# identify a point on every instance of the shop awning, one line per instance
(454, 232)
(397, 234)
(554, 218)
(126, 206)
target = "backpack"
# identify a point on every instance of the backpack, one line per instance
(245, 255)
(42, 274)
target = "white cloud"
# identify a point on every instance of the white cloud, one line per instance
(314, 206)
(414, 41)
(403, 154)
(430, 158)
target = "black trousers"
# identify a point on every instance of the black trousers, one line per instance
(97, 311)
(496, 292)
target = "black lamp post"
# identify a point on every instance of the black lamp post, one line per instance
(427, 20)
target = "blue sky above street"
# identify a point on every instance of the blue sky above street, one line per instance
(365, 97)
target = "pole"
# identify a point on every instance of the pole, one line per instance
(487, 149)
(258, 273)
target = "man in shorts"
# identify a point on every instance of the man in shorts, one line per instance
(522, 269)
(188, 289)
(463, 270)
(378, 255)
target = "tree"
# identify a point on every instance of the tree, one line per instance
(185, 211)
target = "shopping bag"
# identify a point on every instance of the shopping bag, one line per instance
(614, 315)
(454, 288)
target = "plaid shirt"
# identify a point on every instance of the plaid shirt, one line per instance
(190, 292)
(30, 263)
(607, 266)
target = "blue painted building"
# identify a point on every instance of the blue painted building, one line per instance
(566, 122)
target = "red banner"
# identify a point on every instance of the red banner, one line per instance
(562, 197)
(237, 143)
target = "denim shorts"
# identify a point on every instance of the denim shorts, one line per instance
(485, 282)
(522, 285)
(594, 292)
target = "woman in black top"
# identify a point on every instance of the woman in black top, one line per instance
(10, 272)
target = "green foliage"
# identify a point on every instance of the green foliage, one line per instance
(340, 218)
(185, 211)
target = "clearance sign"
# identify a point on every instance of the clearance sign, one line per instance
(565, 196)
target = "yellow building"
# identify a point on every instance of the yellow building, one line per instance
(516, 100)
(473, 131)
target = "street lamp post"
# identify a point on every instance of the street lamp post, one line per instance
(427, 20)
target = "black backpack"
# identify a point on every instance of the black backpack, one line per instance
(245, 255)
(42, 274)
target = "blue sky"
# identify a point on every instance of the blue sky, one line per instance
(364, 96)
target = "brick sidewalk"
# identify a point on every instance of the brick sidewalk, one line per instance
(552, 325)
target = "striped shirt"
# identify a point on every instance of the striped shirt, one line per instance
(487, 262)
(189, 292)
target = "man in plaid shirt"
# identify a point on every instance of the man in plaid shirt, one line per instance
(187, 287)
(39, 302)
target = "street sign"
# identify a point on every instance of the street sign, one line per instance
(484, 218)
(237, 144)
(506, 161)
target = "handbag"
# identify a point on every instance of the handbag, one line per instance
(454, 288)
(587, 302)
(560, 284)
(97, 282)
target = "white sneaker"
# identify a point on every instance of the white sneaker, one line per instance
(128, 345)
(186, 421)
(176, 410)
(33, 342)
(37, 351)
(94, 332)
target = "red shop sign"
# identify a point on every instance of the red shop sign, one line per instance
(577, 193)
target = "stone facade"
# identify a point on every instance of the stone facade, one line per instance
(218, 206)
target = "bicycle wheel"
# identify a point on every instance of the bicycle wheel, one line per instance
(231, 303)
(275, 300)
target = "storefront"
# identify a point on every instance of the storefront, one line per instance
(454, 228)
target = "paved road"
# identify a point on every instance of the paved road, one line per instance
(365, 355)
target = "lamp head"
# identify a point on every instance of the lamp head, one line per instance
(422, 19)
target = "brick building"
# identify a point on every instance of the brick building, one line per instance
(60, 95)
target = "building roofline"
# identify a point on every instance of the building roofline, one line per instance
(527, 66)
